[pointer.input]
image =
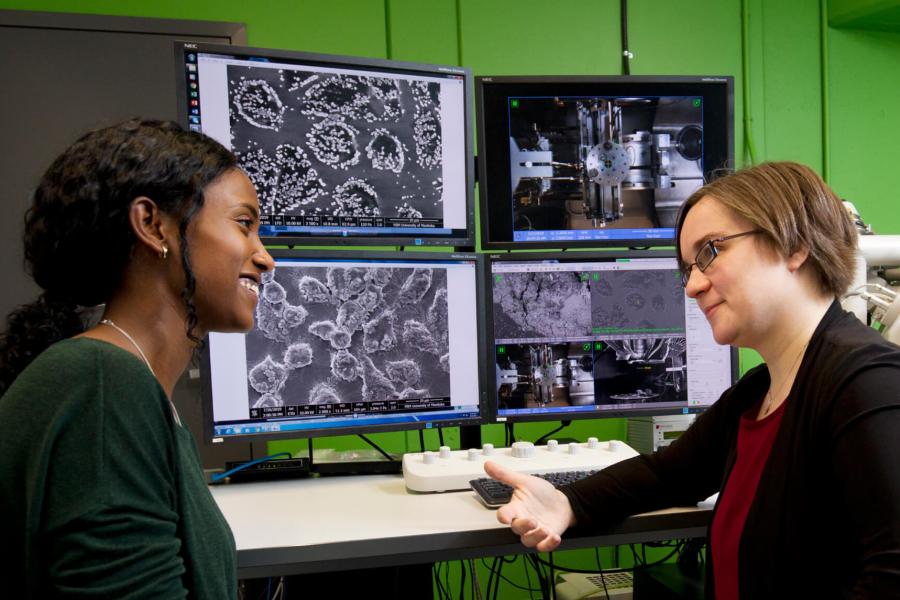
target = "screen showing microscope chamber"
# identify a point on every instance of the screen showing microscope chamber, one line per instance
(343, 344)
(351, 150)
(596, 161)
(589, 335)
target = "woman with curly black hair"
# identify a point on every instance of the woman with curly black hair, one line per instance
(100, 485)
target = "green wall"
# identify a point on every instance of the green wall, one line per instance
(822, 96)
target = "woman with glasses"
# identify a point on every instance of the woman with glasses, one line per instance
(804, 448)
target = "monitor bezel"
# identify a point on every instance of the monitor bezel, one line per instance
(339, 61)
(485, 198)
(489, 351)
(484, 404)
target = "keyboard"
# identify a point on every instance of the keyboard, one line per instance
(495, 494)
(451, 470)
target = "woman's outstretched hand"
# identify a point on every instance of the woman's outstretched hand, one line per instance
(537, 512)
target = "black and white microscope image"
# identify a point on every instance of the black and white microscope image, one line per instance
(330, 335)
(640, 370)
(603, 162)
(638, 301)
(320, 144)
(541, 305)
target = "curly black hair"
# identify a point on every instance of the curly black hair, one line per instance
(78, 239)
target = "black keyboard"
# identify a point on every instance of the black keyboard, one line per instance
(495, 494)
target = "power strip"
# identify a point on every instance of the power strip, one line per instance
(285, 468)
(449, 470)
(590, 586)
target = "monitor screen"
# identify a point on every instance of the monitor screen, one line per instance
(599, 334)
(349, 344)
(340, 149)
(596, 161)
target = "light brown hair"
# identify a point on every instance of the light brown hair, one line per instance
(793, 208)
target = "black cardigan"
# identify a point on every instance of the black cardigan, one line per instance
(825, 521)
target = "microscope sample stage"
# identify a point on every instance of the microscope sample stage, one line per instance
(592, 162)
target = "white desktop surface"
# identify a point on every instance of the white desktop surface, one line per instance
(343, 522)
(294, 513)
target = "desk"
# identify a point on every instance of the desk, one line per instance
(358, 522)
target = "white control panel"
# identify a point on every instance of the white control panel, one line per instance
(449, 470)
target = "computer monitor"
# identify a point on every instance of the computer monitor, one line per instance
(596, 161)
(346, 342)
(582, 334)
(341, 149)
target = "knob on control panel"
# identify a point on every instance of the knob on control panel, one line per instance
(473, 453)
(615, 446)
(445, 452)
(488, 449)
(574, 448)
(593, 443)
(428, 457)
(522, 449)
(552, 445)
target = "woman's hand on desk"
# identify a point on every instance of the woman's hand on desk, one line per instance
(538, 513)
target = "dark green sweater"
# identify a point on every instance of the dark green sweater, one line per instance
(101, 492)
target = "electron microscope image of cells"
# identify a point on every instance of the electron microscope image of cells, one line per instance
(386, 151)
(257, 103)
(334, 143)
(541, 305)
(267, 401)
(328, 335)
(324, 144)
(344, 365)
(312, 290)
(404, 372)
(638, 301)
(428, 140)
(416, 286)
(322, 393)
(267, 376)
(355, 198)
(298, 355)
(345, 282)
(284, 182)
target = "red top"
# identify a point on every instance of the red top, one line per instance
(754, 442)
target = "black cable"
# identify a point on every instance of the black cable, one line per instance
(626, 55)
(560, 567)
(462, 580)
(441, 435)
(634, 555)
(376, 446)
(552, 577)
(500, 575)
(447, 580)
(490, 581)
(422, 440)
(436, 574)
(562, 425)
(542, 577)
(528, 579)
(602, 576)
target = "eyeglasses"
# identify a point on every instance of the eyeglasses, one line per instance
(708, 253)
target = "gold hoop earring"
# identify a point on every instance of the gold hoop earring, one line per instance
(164, 252)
